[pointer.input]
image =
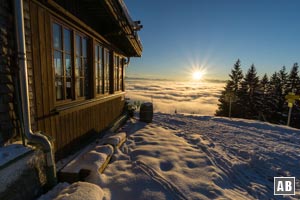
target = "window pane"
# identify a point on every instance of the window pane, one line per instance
(96, 53)
(100, 70)
(106, 56)
(120, 77)
(96, 71)
(97, 85)
(78, 45)
(59, 88)
(77, 87)
(81, 87)
(86, 69)
(68, 65)
(67, 40)
(57, 36)
(69, 87)
(84, 47)
(86, 77)
(78, 66)
(100, 53)
(86, 87)
(58, 63)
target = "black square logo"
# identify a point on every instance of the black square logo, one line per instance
(284, 185)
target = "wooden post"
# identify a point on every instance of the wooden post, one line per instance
(291, 98)
(230, 102)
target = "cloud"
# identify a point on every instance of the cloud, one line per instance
(168, 96)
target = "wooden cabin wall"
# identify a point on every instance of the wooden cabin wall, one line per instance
(69, 126)
(9, 123)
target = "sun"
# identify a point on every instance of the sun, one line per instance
(197, 75)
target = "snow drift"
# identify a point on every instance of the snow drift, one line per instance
(200, 157)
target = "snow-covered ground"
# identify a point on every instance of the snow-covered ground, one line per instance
(200, 157)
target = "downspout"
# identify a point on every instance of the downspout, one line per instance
(37, 139)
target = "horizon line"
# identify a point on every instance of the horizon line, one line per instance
(168, 79)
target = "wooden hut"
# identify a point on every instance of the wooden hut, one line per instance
(76, 51)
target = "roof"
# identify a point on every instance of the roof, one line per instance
(111, 19)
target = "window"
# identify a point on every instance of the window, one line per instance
(71, 65)
(81, 66)
(98, 69)
(120, 74)
(69, 75)
(106, 64)
(62, 62)
(116, 72)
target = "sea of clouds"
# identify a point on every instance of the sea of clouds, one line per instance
(168, 96)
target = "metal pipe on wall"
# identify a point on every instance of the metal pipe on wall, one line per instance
(37, 139)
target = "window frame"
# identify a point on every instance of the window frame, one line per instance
(85, 74)
(101, 62)
(63, 52)
(106, 71)
(118, 72)
(107, 64)
(73, 33)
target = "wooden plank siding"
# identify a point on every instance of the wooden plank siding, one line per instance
(68, 127)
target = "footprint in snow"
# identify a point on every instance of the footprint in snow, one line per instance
(166, 165)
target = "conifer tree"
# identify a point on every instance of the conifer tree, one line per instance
(293, 82)
(262, 99)
(262, 93)
(236, 76)
(282, 107)
(248, 94)
(293, 85)
(276, 99)
(223, 106)
(231, 88)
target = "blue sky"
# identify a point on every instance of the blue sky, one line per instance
(213, 34)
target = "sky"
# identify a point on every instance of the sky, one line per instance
(179, 36)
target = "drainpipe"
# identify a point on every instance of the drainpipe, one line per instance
(36, 139)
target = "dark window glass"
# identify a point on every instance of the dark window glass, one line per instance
(77, 67)
(58, 63)
(68, 65)
(59, 88)
(106, 71)
(57, 36)
(67, 40)
(78, 45)
(84, 47)
(81, 67)
(98, 69)
(69, 87)
(62, 62)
